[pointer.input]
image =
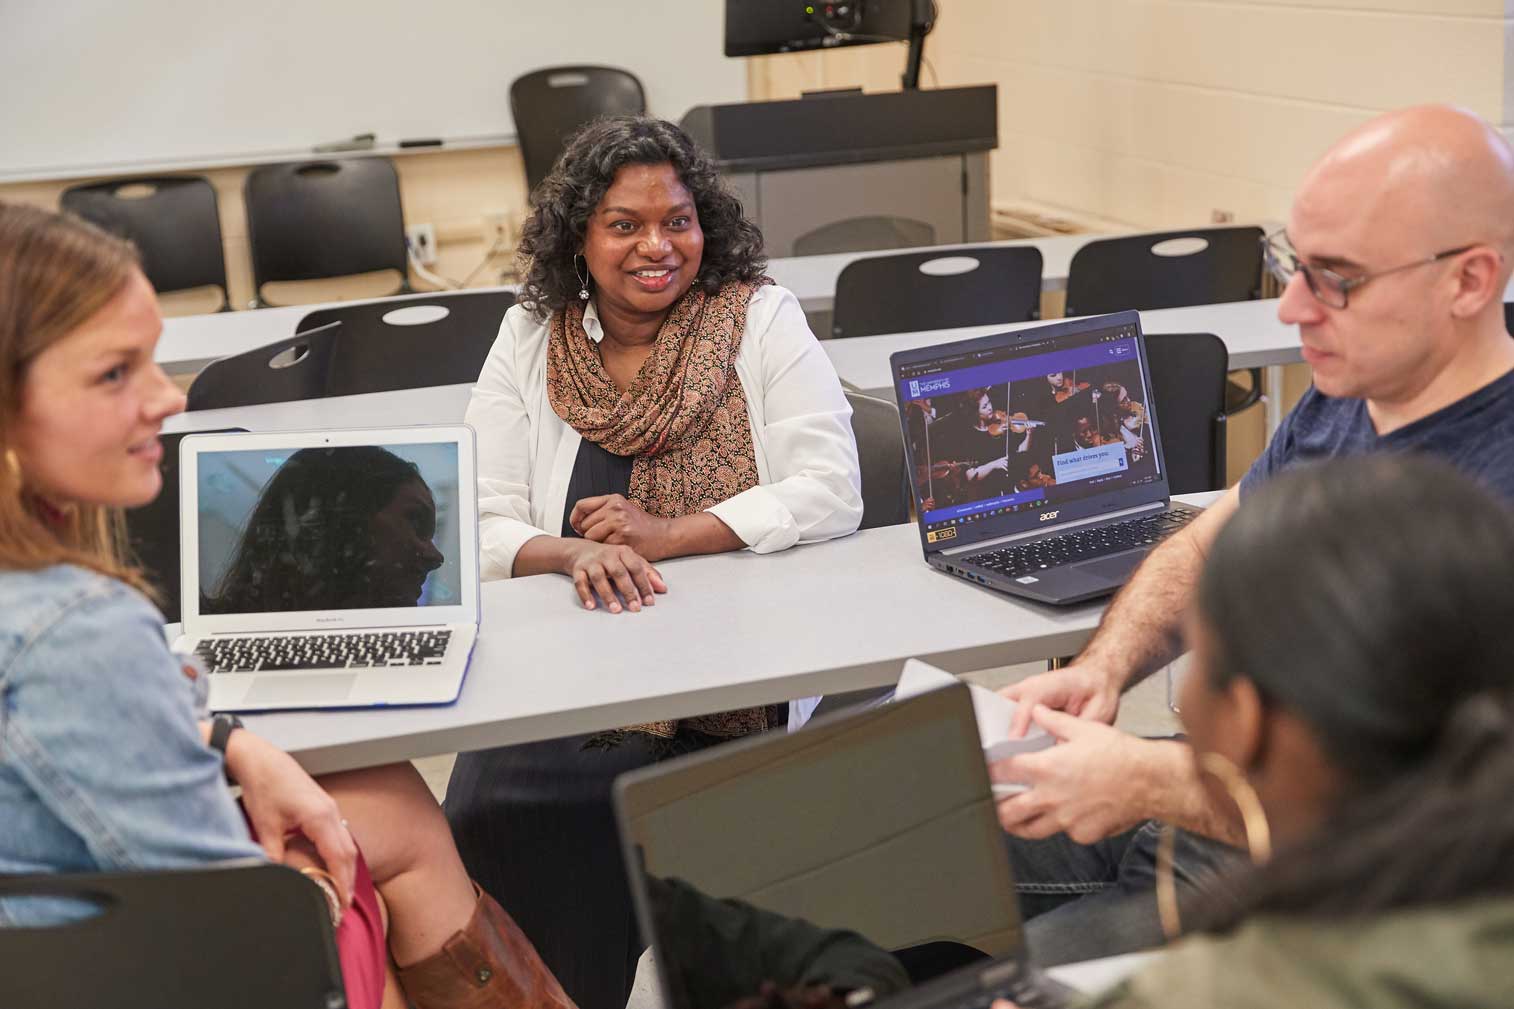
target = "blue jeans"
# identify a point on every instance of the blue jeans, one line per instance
(1085, 901)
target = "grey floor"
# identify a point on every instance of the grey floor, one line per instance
(1144, 711)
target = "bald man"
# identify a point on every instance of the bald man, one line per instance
(1395, 258)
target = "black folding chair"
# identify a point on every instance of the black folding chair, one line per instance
(1171, 269)
(434, 339)
(880, 451)
(937, 290)
(236, 937)
(1188, 385)
(548, 105)
(320, 219)
(174, 222)
(381, 346)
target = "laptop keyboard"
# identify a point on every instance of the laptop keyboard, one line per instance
(323, 651)
(1082, 544)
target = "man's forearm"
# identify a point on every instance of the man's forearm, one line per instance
(1176, 794)
(1142, 630)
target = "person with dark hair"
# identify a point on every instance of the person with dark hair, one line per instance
(1398, 250)
(652, 395)
(1362, 721)
(335, 528)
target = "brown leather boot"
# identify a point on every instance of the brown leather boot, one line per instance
(490, 964)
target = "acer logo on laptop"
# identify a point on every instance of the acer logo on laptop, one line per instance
(1048, 516)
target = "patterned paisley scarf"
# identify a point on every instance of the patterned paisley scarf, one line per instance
(684, 419)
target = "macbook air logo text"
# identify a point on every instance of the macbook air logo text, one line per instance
(1048, 516)
(329, 620)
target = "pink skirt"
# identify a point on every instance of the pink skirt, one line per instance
(360, 944)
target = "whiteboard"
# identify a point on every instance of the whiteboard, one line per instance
(95, 86)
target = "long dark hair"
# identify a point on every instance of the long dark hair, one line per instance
(308, 542)
(563, 202)
(1373, 599)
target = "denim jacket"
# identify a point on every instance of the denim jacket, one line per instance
(102, 766)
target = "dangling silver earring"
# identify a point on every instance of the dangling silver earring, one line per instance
(583, 281)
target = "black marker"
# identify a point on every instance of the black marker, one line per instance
(421, 143)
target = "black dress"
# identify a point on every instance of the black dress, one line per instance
(535, 827)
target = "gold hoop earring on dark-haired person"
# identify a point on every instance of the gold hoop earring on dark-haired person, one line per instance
(583, 280)
(13, 469)
(1253, 818)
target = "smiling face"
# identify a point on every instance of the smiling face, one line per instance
(643, 243)
(92, 405)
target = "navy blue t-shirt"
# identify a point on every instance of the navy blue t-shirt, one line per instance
(1475, 434)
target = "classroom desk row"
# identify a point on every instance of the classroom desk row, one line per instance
(191, 342)
(734, 629)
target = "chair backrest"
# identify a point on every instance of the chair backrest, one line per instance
(410, 343)
(318, 219)
(549, 104)
(240, 937)
(436, 339)
(1188, 385)
(880, 450)
(1173, 269)
(1508, 316)
(294, 368)
(937, 290)
(174, 222)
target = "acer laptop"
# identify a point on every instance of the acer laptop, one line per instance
(330, 569)
(861, 852)
(1034, 457)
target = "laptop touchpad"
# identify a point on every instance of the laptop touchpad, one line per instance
(300, 691)
(1116, 568)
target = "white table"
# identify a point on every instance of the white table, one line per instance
(734, 629)
(191, 342)
(1250, 330)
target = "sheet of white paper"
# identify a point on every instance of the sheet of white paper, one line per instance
(992, 711)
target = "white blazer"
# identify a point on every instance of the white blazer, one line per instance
(810, 483)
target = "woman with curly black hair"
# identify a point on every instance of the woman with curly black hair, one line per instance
(653, 395)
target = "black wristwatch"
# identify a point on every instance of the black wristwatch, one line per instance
(220, 731)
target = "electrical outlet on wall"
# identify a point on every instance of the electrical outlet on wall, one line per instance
(422, 239)
(497, 230)
(1221, 216)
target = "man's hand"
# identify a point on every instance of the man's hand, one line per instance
(610, 518)
(1092, 784)
(1079, 689)
(602, 569)
(281, 799)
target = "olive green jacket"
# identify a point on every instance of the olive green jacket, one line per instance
(1460, 956)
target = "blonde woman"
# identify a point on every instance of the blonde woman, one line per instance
(105, 763)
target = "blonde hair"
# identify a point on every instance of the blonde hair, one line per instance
(56, 272)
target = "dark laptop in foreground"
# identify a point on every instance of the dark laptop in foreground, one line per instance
(1034, 457)
(861, 852)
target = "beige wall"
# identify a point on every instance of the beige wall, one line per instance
(1147, 112)
(1159, 112)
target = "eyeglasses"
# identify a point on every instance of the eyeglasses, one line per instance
(1327, 286)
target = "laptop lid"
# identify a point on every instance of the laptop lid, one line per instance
(325, 530)
(1006, 433)
(744, 860)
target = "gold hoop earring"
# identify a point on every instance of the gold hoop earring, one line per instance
(13, 466)
(1253, 818)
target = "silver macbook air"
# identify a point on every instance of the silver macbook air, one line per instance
(331, 569)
